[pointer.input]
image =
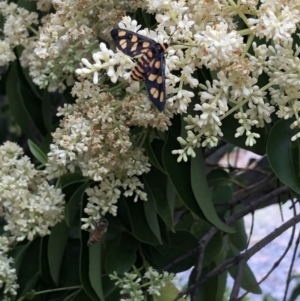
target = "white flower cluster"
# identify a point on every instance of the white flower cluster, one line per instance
(53, 52)
(28, 203)
(212, 40)
(15, 31)
(8, 275)
(43, 5)
(221, 49)
(131, 284)
(94, 136)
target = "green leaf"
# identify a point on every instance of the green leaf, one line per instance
(17, 106)
(151, 155)
(82, 296)
(56, 247)
(179, 243)
(229, 126)
(168, 293)
(111, 292)
(28, 274)
(37, 152)
(31, 282)
(47, 110)
(70, 179)
(36, 90)
(221, 197)
(69, 269)
(84, 269)
(218, 176)
(95, 269)
(119, 260)
(140, 226)
(72, 296)
(202, 192)
(159, 191)
(210, 289)
(248, 281)
(180, 176)
(44, 263)
(152, 218)
(199, 229)
(18, 255)
(74, 203)
(283, 154)
(30, 295)
(239, 238)
(295, 293)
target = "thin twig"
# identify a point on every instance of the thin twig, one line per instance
(276, 263)
(212, 231)
(255, 186)
(251, 207)
(237, 281)
(244, 256)
(288, 280)
(203, 242)
(251, 230)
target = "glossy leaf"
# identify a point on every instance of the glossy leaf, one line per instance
(74, 203)
(56, 247)
(119, 260)
(140, 226)
(202, 191)
(156, 187)
(18, 254)
(47, 110)
(82, 296)
(229, 126)
(239, 238)
(44, 263)
(37, 152)
(179, 243)
(221, 197)
(25, 71)
(95, 269)
(248, 281)
(70, 179)
(218, 176)
(199, 229)
(180, 175)
(17, 106)
(210, 289)
(152, 217)
(28, 274)
(279, 145)
(152, 156)
(85, 267)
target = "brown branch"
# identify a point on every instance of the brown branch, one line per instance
(212, 231)
(237, 281)
(277, 262)
(255, 204)
(244, 256)
(288, 280)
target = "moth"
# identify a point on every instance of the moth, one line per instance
(100, 230)
(150, 66)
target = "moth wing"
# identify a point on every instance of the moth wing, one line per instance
(155, 81)
(131, 43)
